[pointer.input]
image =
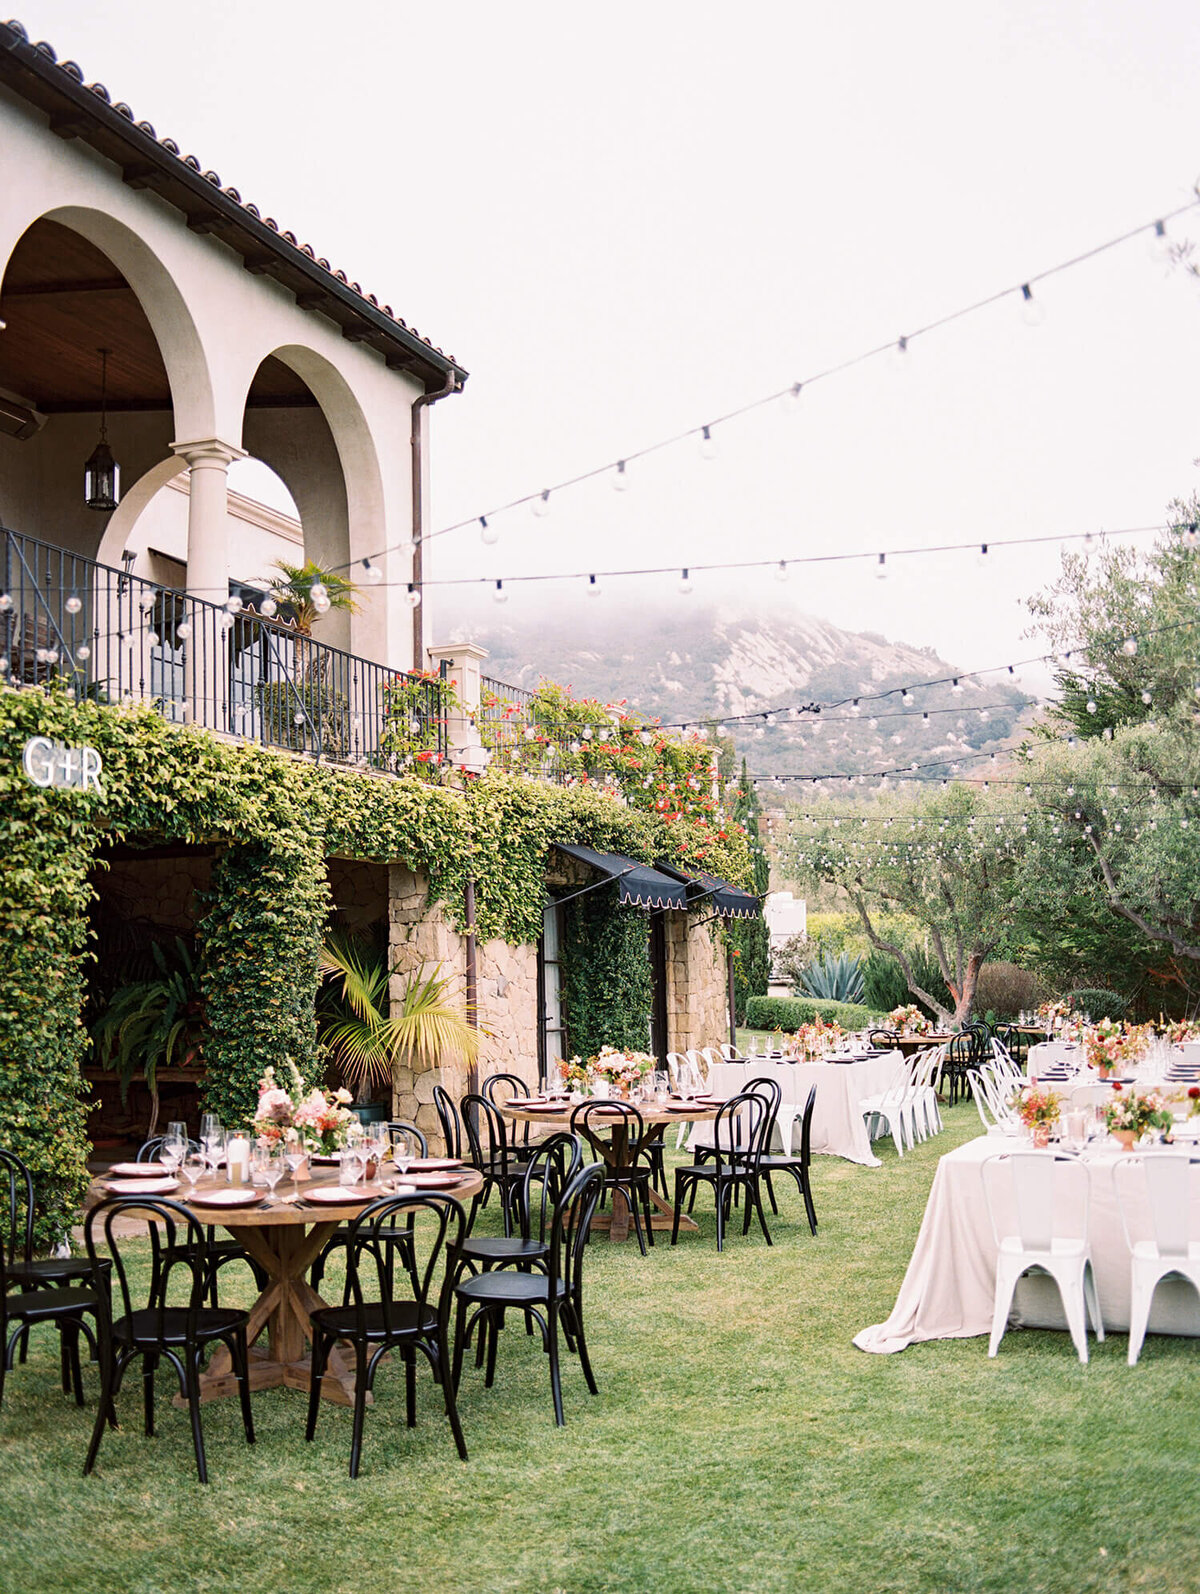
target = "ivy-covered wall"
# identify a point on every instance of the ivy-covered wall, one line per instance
(606, 976)
(273, 820)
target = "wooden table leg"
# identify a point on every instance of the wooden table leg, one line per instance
(618, 1221)
(283, 1310)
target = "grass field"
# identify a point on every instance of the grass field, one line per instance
(739, 1443)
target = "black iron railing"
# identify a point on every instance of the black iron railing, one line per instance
(118, 638)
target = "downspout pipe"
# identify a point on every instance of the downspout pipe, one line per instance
(452, 385)
(472, 973)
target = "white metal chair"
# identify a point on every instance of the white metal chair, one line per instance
(1004, 1065)
(730, 1053)
(925, 1072)
(999, 1093)
(1087, 1096)
(982, 1104)
(1037, 1181)
(894, 1107)
(1167, 1182)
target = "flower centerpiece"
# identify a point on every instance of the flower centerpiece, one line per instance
(1128, 1116)
(319, 1119)
(908, 1020)
(1059, 1017)
(610, 1066)
(814, 1040)
(1039, 1110)
(1111, 1043)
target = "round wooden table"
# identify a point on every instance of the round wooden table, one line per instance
(286, 1238)
(656, 1119)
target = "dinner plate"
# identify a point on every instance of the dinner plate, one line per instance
(546, 1106)
(339, 1195)
(137, 1170)
(142, 1186)
(433, 1164)
(235, 1196)
(322, 1161)
(527, 1101)
(433, 1181)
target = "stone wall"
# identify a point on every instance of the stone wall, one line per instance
(160, 890)
(697, 985)
(507, 986)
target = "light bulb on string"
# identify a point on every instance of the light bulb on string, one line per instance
(956, 687)
(881, 570)
(685, 582)
(1190, 535)
(981, 558)
(268, 607)
(1129, 647)
(897, 355)
(1033, 311)
(541, 504)
(1146, 698)
(790, 402)
(1158, 245)
(413, 596)
(620, 478)
(73, 605)
(708, 445)
(781, 570)
(317, 592)
(498, 593)
(183, 630)
(593, 587)
(487, 532)
(372, 574)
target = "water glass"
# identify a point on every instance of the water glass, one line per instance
(173, 1148)
(193, 1168)
(268, 1166)
(213, 1142)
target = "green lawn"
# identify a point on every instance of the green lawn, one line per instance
(739, 1443)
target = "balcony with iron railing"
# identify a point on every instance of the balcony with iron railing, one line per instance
(113, 637)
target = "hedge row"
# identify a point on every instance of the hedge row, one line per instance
(789, 1012)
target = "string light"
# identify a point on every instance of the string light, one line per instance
(593, 587)
(781, 570)
(499, 595)
(708, 447)
(620, 478)
(1033, 311)
(685, 583)
(881, 568)
(372, 574)
(540, 506)
(413, 596)
(487, 532)
(895, 350)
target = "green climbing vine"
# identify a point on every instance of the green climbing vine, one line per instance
(273, 820)
(606, 974)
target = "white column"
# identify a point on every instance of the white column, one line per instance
(206, 675)
(462, 670)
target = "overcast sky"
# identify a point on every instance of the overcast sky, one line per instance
(627, 219)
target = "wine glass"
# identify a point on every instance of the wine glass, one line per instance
(173, 1148)
(294, 1153)
(193, 1169)
(401, 1153)
(268, 1167)
(213, 1143)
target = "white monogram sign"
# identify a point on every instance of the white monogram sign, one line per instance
(48, 763)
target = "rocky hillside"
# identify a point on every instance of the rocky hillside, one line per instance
(700, 662)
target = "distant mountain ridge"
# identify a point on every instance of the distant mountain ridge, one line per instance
(709, 662)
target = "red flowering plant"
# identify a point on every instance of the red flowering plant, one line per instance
(416, 707)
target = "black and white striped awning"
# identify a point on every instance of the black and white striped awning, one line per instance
(726, 901)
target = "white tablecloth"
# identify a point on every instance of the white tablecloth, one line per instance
(948, 1290)
(839, 1128)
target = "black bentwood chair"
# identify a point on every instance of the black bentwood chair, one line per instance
(340, 1237)
(374, 1321)
(157, 1331)
(499, 1088)
(219, 1253)
(797, 1167)
(549, 1298)
(66, 1309)
(552, 1165)
(501, 1163)
(624, 1154)
(735, 1153)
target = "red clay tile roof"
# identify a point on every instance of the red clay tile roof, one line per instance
(86, 111)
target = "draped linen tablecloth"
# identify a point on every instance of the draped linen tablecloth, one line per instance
(949, 1287)
(838, 1128)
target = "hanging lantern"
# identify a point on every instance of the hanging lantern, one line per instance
(102, 474)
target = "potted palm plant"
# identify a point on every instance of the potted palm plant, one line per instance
(308, 708)
(368, 1037)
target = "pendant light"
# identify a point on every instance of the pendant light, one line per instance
(102, 474)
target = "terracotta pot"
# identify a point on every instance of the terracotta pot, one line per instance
(1125, 1137)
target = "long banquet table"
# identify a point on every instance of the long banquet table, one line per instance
(948, 1290)
(839, 1128)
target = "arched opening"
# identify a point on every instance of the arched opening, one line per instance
(63, 300)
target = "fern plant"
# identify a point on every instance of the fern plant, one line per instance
(833, 979)
(154, 1023)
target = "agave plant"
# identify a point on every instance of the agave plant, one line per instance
(154, 1023)
(365, 1040)
(833, 979)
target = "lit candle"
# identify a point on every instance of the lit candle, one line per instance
(237, 1159)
